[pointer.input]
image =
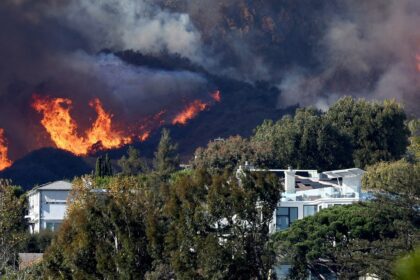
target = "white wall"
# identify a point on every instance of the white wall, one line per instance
(53, 204)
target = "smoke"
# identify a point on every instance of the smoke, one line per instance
(51, 48)
(368, 50)
(137, 25)
(315, 52)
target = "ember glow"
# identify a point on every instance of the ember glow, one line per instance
(63, 130)
(216, 96)
(4, 160)
(190, 112)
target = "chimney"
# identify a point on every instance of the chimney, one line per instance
(289, 180)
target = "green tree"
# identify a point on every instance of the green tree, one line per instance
(306, 141)
(12, 224)
(103, 166)
(166, 157)
(347, 241)
(376, 130)
(222, 154)
(132, 164)
(103, 235)
(408, 267)
(414, 148)
(219, 225)
(397, 182)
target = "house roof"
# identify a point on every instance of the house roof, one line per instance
(56, 186)
(352, 172)
(304, 183)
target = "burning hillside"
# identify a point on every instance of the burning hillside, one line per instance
(63, 130)
(103, 134)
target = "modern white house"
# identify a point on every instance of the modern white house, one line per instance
(48, 206)
(308, 191)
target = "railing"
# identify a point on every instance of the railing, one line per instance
(305, 197)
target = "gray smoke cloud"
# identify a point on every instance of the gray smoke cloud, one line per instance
(367, 51)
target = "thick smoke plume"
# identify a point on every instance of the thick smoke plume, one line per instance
(313, 51)
(368, 50)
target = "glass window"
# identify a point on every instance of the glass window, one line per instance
(49, 226)
(293, 214)
(283, 211)
(52, 226)
(285, 216)
(309, 210)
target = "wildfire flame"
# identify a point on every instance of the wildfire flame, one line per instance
(66, 134)
(190, 112)
(63, 129)
(4, 160)
(194, 108)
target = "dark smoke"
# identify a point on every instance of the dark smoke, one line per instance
(313, 51)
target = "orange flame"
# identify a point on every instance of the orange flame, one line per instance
(4, 160)
(190, 112)
(418, 62)
(216, 96)
(101, 130)
(63, 129)
(150, 123)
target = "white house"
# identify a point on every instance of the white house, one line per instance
(47, 206)
(307, 192)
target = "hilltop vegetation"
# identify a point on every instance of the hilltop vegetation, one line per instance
(352, 133)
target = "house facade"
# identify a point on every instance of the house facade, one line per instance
(306, 192)
(47, 206)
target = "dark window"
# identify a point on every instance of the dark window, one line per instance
(309, 210)
(52, 226)
(286, 216)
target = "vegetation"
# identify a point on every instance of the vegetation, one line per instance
(348, 241)
(414, 148)
(211, 222)
(132, 164)
(408, 267)
(12, 224)
(351, 133)
(103, 167)
(166, 157)
(119, 233)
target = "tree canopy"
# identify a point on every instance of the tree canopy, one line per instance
(352, 133)
(12, 224)
(347, 241)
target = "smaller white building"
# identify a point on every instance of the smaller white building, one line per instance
(47, 206)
